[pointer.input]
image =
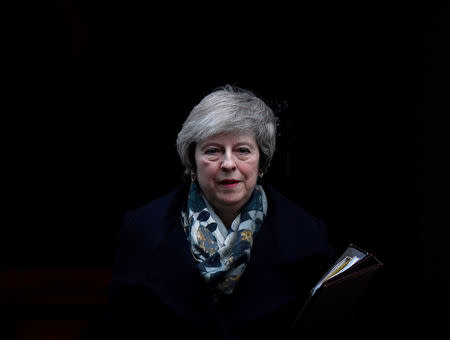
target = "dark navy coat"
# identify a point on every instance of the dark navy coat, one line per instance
(157, 291)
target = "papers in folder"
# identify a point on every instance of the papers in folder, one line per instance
(350, 257)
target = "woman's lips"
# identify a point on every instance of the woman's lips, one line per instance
(229, 183)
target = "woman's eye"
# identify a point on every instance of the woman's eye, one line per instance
(244, 150)
(211, 151)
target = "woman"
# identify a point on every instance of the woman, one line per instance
(223, 257)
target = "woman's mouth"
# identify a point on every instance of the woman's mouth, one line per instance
(229, 183)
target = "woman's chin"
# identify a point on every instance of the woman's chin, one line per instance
(231, 200)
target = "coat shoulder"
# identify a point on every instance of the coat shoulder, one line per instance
(142, 230)
(299, 233)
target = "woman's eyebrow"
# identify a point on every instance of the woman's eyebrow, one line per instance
(218, 144)
(208, 144)
(248, 144)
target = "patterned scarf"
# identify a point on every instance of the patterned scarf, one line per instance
(222, 254)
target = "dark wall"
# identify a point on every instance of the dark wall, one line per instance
(429, 294)
(101, 90)
(106, 87)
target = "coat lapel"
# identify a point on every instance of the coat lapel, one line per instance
(264, 286)
(172, 276)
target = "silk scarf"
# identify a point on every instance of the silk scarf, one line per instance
(222, 254)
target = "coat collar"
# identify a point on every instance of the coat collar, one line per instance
(269, 281)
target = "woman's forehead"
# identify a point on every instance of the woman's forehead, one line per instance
(229, 137)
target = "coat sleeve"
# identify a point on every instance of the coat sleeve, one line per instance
(129, 304)
(133, 311)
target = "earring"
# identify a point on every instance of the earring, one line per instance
(260, 174)
(193, 176)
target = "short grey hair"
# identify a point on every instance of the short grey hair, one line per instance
(228, 109)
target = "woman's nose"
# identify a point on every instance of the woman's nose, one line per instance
(228, 162)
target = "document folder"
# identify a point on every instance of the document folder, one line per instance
(334, 298)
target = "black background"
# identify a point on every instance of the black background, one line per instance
(99, 91)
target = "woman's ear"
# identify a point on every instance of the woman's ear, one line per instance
(260, 176)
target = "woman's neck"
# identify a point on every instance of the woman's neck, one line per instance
(227, 218)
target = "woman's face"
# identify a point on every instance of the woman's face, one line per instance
(227, 169)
